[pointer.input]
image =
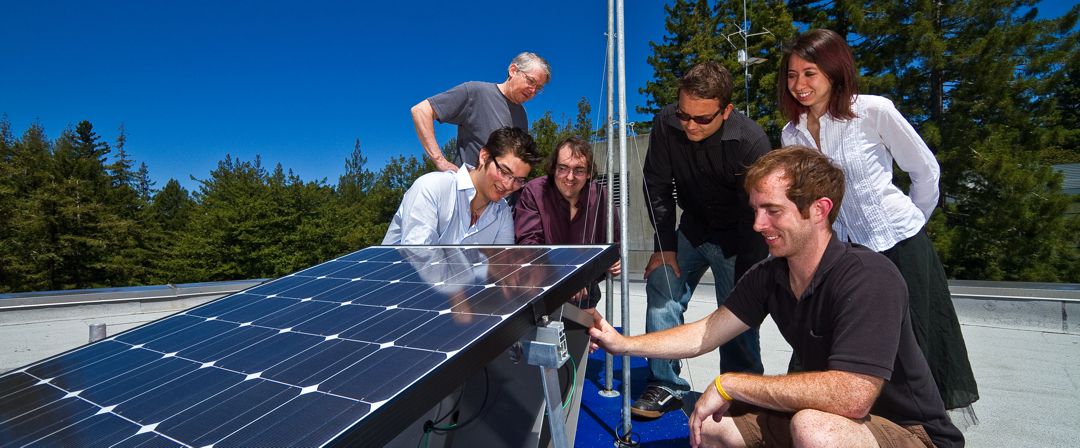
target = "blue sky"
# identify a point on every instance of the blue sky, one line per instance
(295, 82)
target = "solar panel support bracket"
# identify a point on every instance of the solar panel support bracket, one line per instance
(545, 346)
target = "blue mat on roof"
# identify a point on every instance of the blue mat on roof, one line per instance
(601, 417)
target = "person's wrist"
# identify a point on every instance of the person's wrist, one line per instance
(718, 382)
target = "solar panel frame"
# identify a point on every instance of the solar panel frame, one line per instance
(383, 424)
(377, 425)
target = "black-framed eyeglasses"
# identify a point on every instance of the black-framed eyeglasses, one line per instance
(508, 175)
(699, 119)
(532, 82)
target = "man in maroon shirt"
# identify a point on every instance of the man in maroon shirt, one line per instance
(566, 207)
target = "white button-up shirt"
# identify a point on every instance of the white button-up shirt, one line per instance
(875, 213)
(435, 210)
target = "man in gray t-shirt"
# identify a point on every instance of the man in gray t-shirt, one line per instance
(479, 108)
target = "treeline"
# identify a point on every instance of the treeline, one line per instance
(993, 90)
(78, 212)
(75, 213)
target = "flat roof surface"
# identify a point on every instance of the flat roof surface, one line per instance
(1029, 380)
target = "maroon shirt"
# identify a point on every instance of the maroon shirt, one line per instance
(542, 216)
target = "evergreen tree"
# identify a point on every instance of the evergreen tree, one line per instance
(767, 25)
(81, 227)
(310, 231)
(230, 236)
(582, 125)
(144, 187)
(383, 200)
(837, 15)
(975, 77)
(353, 189)
(699, 33)
(128, 257)
(1056, 54)
(30, 242)
(357, 180)
(8, 257)
(546, 133)
(172, 207)
(164, 220)
(691, 38)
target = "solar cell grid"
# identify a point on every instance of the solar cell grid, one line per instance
(307, 359)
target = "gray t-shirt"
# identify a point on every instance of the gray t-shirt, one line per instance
(478, 108)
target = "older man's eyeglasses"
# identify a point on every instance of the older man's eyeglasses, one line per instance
(506, 174)
(563, 170)
(532, 82)
(699, 119)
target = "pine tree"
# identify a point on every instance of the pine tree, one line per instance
(546, 133)
(353, 189)
(172, 207)
(30, 242)
(165, 221)
(231, 235)
(80, 224)
(9, 258)
(129, 252)
(582, 125)
(691, 38)
(754, 92)
(698, 33)
(383, 200)
(973, 77)
(310, 231)
(144, 186)
(357, 180)
(837, 15)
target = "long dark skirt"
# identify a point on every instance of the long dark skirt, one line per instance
(933, 319)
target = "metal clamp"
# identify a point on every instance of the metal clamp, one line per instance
(546, 348)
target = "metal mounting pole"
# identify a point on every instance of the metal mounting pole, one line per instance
(609, 305)
(623, 213)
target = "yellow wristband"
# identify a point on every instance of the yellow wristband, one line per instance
(720, 387)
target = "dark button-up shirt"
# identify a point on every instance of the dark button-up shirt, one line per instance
(542, 216)
(708, 176)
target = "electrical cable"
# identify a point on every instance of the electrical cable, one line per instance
(432, 426)
(573, 383)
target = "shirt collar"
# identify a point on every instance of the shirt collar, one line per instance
(465, 185)
(464, 180)
(833, 252)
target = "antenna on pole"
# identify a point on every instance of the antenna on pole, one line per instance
(744, 60)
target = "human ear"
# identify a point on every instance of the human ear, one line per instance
(822, 207)
(727, 111)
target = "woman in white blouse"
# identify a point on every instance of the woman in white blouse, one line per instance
(864, 135)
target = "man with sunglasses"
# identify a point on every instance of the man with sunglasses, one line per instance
(566, 207)
(699, 151)
(478, 108)
(467, 206)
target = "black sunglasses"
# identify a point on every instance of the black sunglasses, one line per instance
(699, 119)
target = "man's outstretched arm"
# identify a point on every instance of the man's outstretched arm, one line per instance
(684, 341)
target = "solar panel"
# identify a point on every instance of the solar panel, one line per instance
(350, 351)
